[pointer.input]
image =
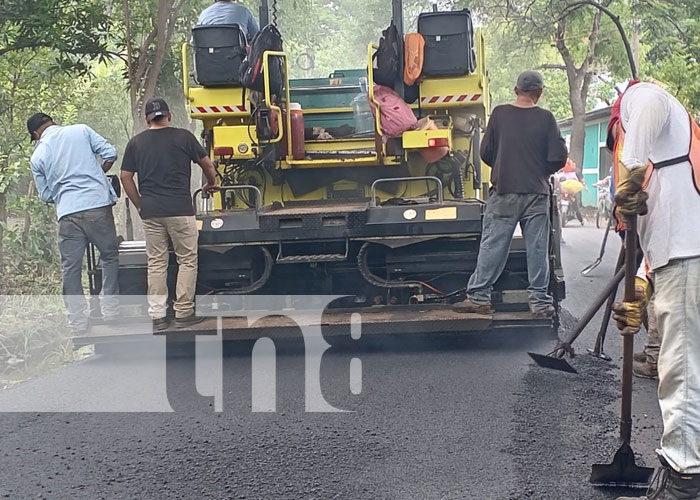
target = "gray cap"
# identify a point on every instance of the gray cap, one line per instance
(530, 80)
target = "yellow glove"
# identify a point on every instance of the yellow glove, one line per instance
(629, 315)
(630, 199)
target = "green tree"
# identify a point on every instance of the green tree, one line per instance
(25, 87)
(585, 41)
(75, 32)
(671, 42)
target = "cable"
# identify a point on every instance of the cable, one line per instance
(431, 288)
(375, 280)
(274, 13)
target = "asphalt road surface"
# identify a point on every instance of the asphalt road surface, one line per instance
(437, 418)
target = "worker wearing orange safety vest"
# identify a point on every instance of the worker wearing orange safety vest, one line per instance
(657, 176)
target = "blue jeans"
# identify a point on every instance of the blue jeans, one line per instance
(75, 231)
(503, 212)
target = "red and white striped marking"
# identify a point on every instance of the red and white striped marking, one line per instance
(219, 109)
(444, 99)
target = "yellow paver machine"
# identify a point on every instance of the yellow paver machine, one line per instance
(343, 208)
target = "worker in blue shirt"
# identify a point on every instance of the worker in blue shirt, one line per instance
(68, 174)
(230, 12)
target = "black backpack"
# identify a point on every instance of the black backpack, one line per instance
(387, 57)
(251, 72)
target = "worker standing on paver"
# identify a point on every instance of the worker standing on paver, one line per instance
(162, 159)
(657, 178)
(523, 146)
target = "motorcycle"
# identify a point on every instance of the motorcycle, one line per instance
(568, 208)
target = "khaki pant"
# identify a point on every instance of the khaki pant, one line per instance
(677, 303)
(182, 232)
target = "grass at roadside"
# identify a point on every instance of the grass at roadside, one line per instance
(34, 337)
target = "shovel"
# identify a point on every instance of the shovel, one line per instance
(597, 262)
(623, 471)
(555, 359)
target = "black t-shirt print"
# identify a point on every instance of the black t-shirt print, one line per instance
(162, 160)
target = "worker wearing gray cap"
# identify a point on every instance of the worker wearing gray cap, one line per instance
(523, 146)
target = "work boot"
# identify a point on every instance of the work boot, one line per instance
(645, 369)
(544, 312)
(668, 484)
(188, 321)
(467, 306)
(640, 357)
(79, 331)
(161, 324)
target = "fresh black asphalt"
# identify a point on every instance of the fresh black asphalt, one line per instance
(438, 418)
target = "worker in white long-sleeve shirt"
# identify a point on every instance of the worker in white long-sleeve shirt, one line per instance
(657, 176)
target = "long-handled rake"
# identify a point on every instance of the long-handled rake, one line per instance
(555, 359)
(598, 349)
(623, 471)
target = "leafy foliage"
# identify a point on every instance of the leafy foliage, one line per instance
(671, 38)
(77, 32)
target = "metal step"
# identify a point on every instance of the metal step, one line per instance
(321, 257)
(300, 259)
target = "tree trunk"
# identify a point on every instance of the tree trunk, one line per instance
(578, 132)
(28, 214)
(579, 79)
(146, 61)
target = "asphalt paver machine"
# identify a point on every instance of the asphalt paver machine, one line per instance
(356, 214)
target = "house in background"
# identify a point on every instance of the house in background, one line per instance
(596, 157)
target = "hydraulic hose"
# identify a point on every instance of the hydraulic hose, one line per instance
(459, 181)
(375, 280)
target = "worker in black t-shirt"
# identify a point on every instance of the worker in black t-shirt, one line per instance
(523, 146)
(162, 157)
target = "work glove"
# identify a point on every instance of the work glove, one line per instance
(630, 198)
(629, 315)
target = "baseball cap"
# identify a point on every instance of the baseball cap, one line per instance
(530, 80)
(36, 121)
(156, 107)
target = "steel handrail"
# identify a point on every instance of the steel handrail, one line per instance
(373, 192)
(185, 73)
(268, 97)
(370, 87)
(239, 187)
